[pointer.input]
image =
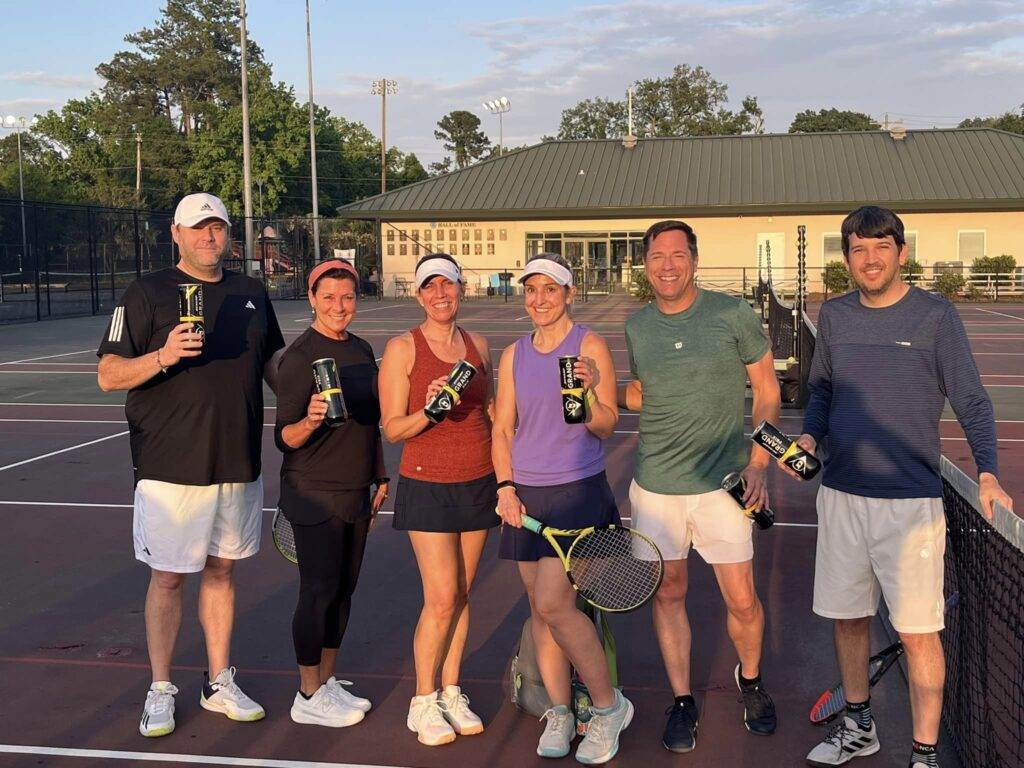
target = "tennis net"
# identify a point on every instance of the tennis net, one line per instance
(984, 637)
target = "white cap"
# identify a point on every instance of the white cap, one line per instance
(542, 266)
(439, 265)
(193, 209)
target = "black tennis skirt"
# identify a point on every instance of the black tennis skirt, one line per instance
(578, 504)
(446, 507)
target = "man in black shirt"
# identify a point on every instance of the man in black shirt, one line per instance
(195, 415)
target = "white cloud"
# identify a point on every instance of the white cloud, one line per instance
(49, 80)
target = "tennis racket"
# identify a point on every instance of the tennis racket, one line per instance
(611, 567)
(284, 538)
(833, 701)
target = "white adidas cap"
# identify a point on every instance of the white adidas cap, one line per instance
(198, 207)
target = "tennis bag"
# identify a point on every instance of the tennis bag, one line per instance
(526, 689)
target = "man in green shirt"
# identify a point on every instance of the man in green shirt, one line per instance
(691, 352)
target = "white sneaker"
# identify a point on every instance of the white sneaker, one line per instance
(427, 722)
(158, 714)
(558, 732)
(844, 741)
(349, 699)
(223, 695)
(455, 706)
(602, 739)
(323, 708)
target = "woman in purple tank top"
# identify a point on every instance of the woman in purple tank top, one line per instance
(554, 471)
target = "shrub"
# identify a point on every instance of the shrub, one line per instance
(641, 287)
(912, 271)
(949, 284)
(836, 277)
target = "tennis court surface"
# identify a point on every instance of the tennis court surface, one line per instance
(73, 669)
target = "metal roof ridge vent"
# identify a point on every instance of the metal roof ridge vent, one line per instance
(898, 131)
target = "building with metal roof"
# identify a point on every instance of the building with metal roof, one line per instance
(959, 191)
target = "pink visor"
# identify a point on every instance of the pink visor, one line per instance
(325, 266)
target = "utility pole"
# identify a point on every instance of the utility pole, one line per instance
(382, 88)
(138, 168)
(246, 177)
(312, 140)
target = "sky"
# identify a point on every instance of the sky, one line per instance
(930, 63)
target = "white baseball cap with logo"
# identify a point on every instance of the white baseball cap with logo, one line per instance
(198, 207)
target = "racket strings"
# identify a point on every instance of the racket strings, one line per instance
(284, 537)
(615, 568)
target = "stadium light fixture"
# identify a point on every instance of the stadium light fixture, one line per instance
(499, 107)
(383, 87)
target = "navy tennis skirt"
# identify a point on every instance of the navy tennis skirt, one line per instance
(446, 507)
(578, 504)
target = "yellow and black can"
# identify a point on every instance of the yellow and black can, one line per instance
(574, 406)
(328, 385)
(785, 450)
(190, 306)
(737, 486)
(450, 395)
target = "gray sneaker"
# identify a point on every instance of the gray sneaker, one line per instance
(558, 732)
(602, 739)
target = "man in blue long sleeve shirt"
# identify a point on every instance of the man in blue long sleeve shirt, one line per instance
(887, 357)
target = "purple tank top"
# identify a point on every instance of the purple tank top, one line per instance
(546, 450)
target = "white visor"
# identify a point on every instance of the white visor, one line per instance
(434, 267)
(552, 269)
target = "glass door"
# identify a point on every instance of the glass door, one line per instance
(598, 267)
(574, 253)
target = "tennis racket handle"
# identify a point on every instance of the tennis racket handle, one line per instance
(531, 524)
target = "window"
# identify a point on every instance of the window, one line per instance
(503, 234)
(403, 250)
(911, 238)
(478, 249)
(415, 249)
(490, 234)
(971, 244)
(832, 247)
(465, 249)
(391, 234)
(402, 235)
(490, 249)
(415, 234)
(477, 234)
(391, 249)
(426, 235)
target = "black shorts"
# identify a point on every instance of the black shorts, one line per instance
(578, 504)
(446, 507)
(303, 506)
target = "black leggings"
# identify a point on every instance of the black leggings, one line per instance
(330, 555)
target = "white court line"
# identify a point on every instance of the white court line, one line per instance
(62, 450)
(171, 757)
(68, 421)
(358, 313)
(108, 506)
(43, 373)
(1002, 314)
(80, 365)
(47, 357)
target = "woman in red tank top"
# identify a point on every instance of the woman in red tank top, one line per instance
(446, 489)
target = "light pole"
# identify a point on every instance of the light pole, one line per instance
(312, 141)
(19, 124)
(499, 107)
(382, 88)
(246, 173)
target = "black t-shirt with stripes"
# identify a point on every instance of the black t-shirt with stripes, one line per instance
(201, 423)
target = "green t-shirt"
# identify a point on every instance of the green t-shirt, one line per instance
(692, 368)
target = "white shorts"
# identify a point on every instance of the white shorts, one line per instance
(890, 547)
(712, 522)
(175, 527)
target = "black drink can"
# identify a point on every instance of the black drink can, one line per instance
(786, 451)
(328, 385)
(574, 407)
(450, 395)
(190, 306)
(737, 486)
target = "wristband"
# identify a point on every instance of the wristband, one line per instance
(163, 368)
(591, 397)
(505, 484)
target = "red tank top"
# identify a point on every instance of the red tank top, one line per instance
(459, 448)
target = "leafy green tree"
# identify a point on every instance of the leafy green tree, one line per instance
(949, 284)
(441, 167)
(836, 277)
(1010, 121)
(594, 119)
(912, 271)
(810, 121)
(688, 102)
(987, 268)
(459, 132)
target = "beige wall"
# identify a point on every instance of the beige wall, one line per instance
(723, 242)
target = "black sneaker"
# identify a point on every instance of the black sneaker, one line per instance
(681, 729)
(758, 707)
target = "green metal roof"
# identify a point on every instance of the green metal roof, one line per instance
(933, 170)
